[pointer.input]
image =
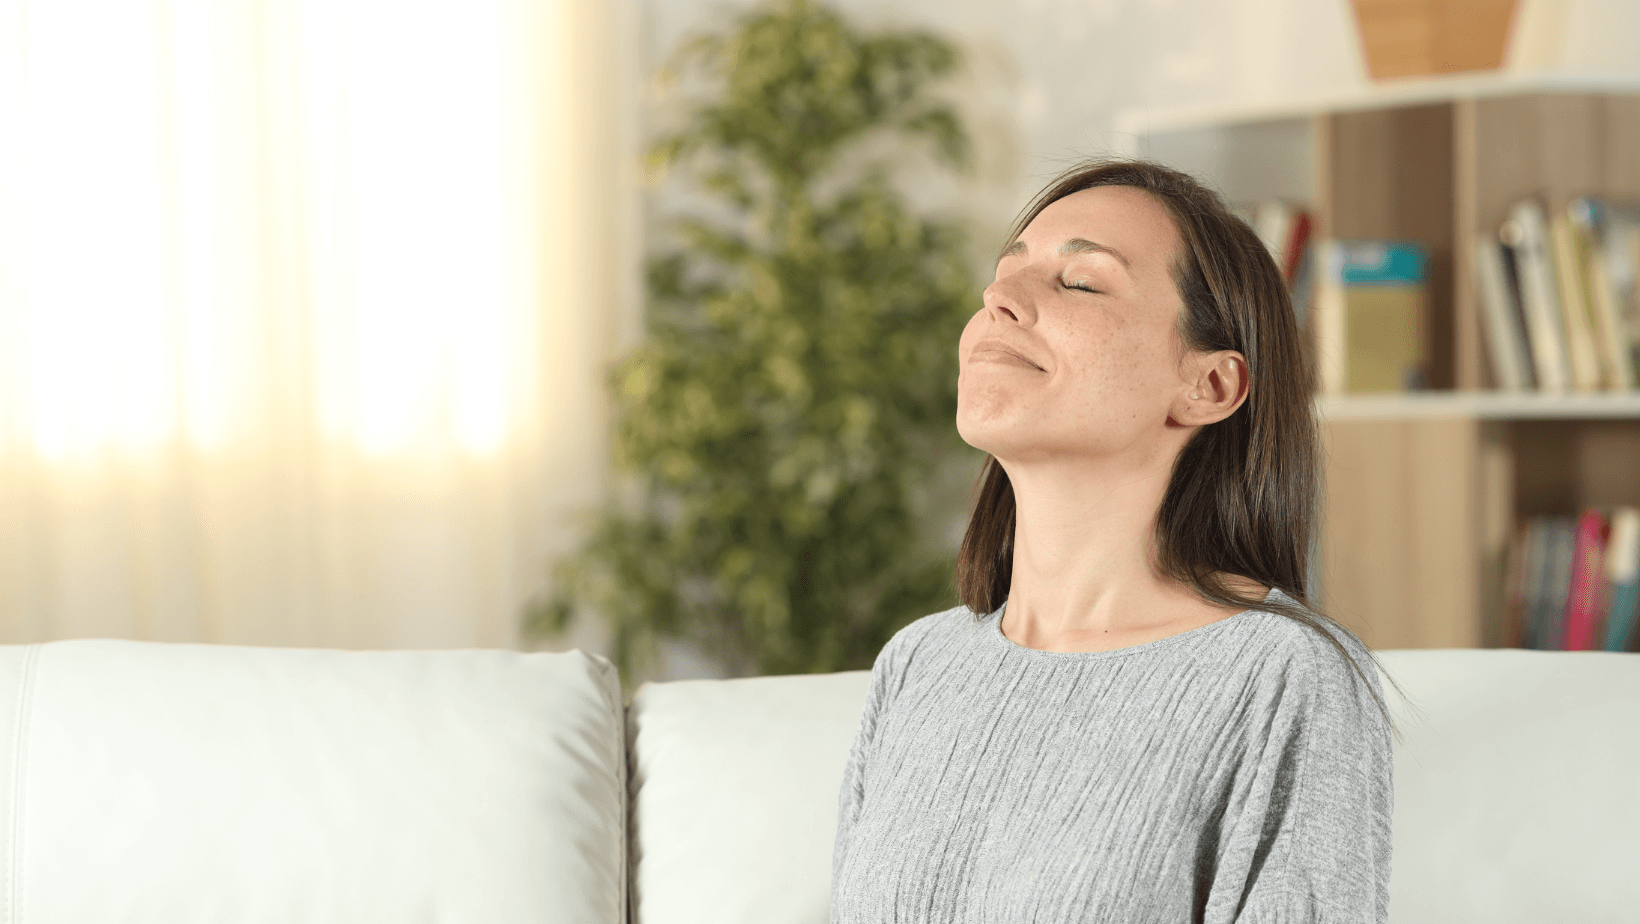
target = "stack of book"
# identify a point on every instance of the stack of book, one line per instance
(1559, 304)
(1362, 304)
(1572, 583)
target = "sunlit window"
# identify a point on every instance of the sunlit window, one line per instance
(233, 216)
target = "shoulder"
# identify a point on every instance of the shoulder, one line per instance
(920, 642)
(1313, 641)
(935, 629)
(1309, 666)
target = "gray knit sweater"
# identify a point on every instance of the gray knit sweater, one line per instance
(1236, 772)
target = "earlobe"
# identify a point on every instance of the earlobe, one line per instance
(1189, 410)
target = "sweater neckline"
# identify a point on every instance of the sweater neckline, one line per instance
(993, 629)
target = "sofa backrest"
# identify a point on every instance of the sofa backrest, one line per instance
(734, 796)
(143, 782)
(188, 783)
(1517, 791)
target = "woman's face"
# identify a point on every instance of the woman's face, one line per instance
(1076, 352)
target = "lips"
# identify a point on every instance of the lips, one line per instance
(999, 352)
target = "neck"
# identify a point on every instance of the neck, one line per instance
(1084, 547)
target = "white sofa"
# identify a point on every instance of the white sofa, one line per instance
(145, 782)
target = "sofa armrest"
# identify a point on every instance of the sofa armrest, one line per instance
(145, 782)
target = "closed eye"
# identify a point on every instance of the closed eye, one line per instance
(1081, 287)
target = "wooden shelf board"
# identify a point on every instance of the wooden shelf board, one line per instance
(1384, 94)
(1481, 405)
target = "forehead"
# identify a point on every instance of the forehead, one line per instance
(1127, 219)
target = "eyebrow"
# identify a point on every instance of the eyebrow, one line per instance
(1074, 245)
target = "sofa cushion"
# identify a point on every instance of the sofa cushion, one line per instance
(1517, 790)
(735, 788)
(145, 782)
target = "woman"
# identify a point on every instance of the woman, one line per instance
(1135, 716)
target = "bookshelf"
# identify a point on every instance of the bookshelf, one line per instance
(1482, 405)
(1424, 489)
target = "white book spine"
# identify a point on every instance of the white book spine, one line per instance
(1623, 548)
(1528, 233)
(1273, 222)
(1505, 338)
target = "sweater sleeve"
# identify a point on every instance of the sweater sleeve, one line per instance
(884, 678)
(1327, 781)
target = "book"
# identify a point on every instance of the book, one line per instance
(1588, 219)
(1515, 589)
(1371, 320)
(1583, 592)
(1511, 272)
(1612, 230)
(1623, 575)
(1535, 567)
(1303, 292)
(1502, 317)
(1296, 245)
(1611, 337)
(1569, 257)
(1560, 542)
(1286, 229)
(1627, 255)
(1526, 233)
(1272, 222)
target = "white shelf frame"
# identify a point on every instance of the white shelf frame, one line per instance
(1382, 94)
(1481, 405)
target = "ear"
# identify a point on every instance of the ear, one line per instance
(1215, 385)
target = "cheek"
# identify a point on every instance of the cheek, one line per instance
(970, 331)
(1122, 361)
(1099, 344)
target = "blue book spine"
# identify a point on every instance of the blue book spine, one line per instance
(1379, 263)
(1623, 574)
(1562, 546)
(1620, 622)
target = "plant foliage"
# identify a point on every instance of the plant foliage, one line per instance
(799, 372)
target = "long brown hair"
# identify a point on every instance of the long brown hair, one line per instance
(1243, 499)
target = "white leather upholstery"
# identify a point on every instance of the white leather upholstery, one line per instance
(181, 783)
(735, 788)
(1517, 791)
(188, 783)
(1518, 802)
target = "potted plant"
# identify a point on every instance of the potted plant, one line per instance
(798, 378)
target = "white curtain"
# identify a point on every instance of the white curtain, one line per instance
(304, 307)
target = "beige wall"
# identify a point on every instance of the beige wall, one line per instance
(1047, 79)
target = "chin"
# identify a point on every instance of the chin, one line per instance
(985, 432)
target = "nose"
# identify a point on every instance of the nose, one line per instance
(1008, 299)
